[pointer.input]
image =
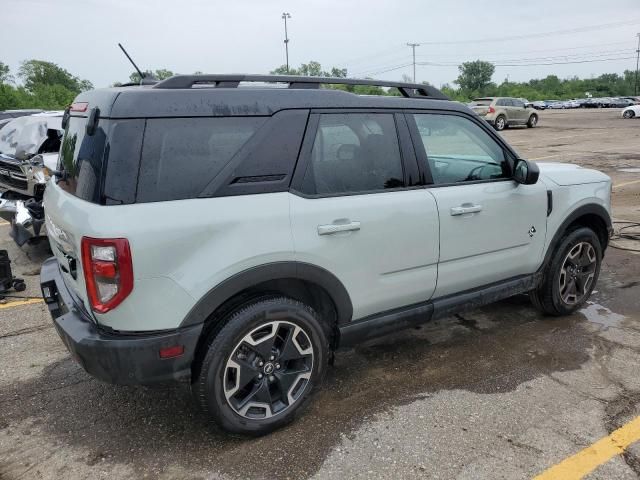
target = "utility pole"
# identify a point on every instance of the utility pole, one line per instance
(285, 15)
(635, 88)
(413, 47)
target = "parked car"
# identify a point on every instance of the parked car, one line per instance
(7, 115)
(233, 238)
(29, 148)
(555, 104)
(570, 104)
(634, 100)
(539, 105)
(620, 103)
(632, 111)
(502, 112)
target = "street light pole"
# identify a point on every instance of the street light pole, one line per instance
(285, 15)
(635, 88)
(413, 47)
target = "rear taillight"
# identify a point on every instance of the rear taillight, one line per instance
(492, 110)
(108, 271)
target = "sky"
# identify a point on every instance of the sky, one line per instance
(368, 38)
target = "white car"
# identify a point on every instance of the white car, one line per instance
(570, 104)
(631, 111)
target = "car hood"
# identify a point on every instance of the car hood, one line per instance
(569, 174)
(21, 137)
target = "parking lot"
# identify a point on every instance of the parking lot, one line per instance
(499, 392)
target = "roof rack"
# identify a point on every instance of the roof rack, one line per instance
(408, 90)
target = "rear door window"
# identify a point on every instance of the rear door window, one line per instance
(353, 153)
(180, 156)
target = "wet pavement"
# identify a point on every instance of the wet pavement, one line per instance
(499, 392)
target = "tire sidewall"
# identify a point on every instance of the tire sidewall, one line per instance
(533, 121)
(210, 384)
(504, 123)
(569, 241)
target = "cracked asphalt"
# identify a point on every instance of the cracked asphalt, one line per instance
(498, 392)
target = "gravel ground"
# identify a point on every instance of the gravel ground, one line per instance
(500, 392)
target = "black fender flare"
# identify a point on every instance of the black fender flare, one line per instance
(589, 209)
(253, 276)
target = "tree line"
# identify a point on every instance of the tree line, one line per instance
(45, 85)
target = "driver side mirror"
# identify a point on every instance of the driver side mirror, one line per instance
(525, 172)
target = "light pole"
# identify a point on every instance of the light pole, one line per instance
(635, 87)
(285, 15)
(413, 47)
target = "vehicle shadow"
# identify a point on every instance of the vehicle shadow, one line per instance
(490, 350)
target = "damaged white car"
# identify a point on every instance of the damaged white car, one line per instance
(29, 149)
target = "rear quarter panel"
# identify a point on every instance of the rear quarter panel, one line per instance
(180, 249)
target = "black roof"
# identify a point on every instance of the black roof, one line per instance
(191, 96)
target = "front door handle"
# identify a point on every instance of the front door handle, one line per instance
(338, 227)
(466, 208)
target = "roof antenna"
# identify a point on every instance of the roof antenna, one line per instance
(144, 78)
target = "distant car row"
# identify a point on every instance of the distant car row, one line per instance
(603, 102)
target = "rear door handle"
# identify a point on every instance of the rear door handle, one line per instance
(338, 227)
(466, 208)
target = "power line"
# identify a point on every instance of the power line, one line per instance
(538, 35)
(531, 64)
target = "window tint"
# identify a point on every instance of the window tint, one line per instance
(518, 103)
(501, 102)
(458, 150)
(180, 156)
(81, 159)
(354, 152)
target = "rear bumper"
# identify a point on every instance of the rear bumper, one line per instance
(113, 357)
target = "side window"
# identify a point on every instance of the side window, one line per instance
(458, 150)
(180, 156)
(518, 103)
(501, 103)
(354, 152)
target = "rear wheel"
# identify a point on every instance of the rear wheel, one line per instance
(261, 368)
(500, 123)
(629, 114)
(571, 274)
(533, 121)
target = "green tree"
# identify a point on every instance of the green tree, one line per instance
(475, 76)
(39, 72)
(159, 74)
(311, 69)
(5, 74)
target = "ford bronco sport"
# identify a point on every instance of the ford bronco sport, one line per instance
(231, 233)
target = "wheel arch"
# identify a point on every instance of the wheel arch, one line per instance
(301, 281)
(593, 216)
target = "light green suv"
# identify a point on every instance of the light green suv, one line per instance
(502, 112)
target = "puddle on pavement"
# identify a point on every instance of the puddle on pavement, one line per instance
(629, 170)
(596, 313)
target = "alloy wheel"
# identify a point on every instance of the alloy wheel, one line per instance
(268, 370)
(577, 273)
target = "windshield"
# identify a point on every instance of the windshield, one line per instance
(25, 137)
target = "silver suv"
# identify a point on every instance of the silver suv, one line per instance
(503, 112)
(233, 238)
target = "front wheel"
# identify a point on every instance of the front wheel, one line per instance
(533, 121)
(261, 368)
(571, 274)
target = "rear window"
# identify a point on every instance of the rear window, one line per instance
(482, 102)
(181, 156)
(81, 159)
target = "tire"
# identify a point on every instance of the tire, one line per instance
(278, 347)
(500, 123)
(629, 114)
(533, 121)
(577, 260)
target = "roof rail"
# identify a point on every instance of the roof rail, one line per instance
(409, 90)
